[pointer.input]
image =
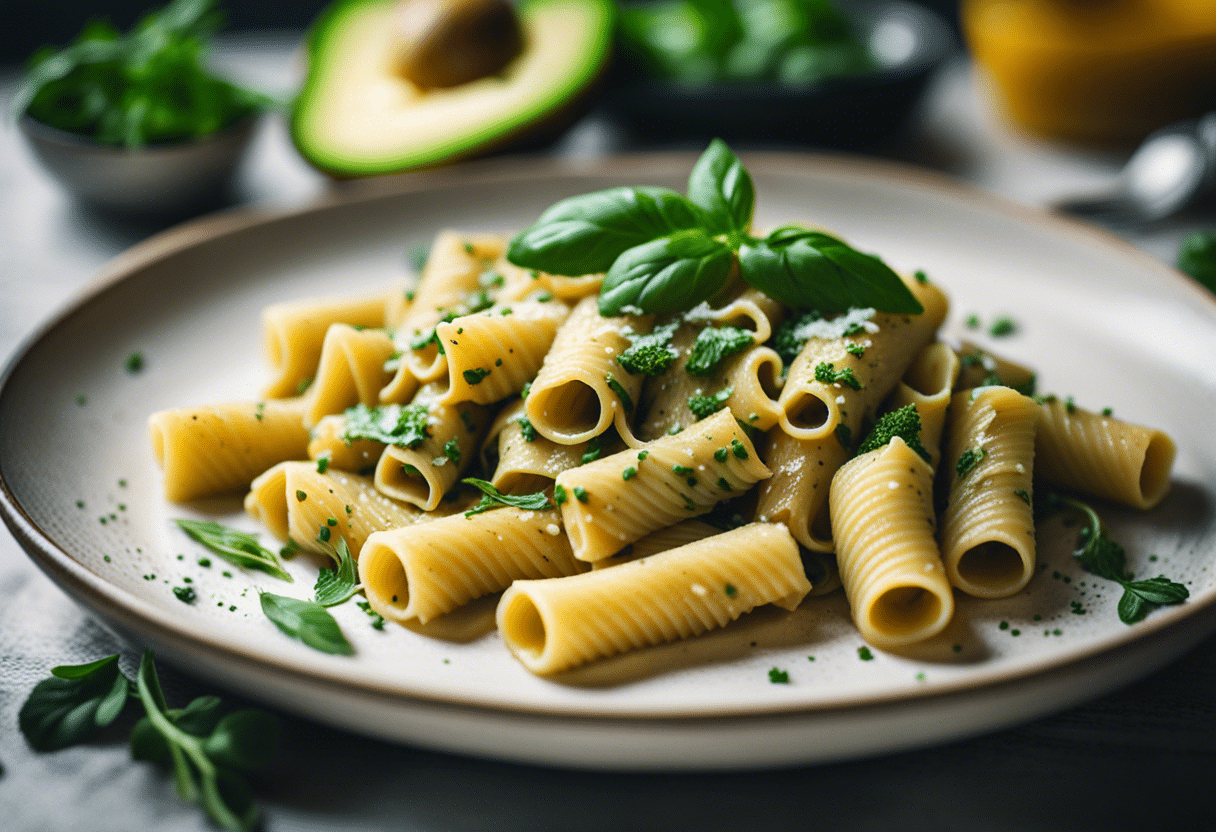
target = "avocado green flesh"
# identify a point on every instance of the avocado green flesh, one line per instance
(357, 115)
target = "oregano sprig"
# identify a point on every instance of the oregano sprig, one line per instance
(208, 749)
(1101, 556)
(665, 253)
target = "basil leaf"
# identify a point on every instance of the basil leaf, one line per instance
(812, 270)
(586, 234)
(236, 547)
(337, 585)
(1158, 590)
(247, 740)
(74, 704)
(722, 186)
(306, 621)
(671, 274)
(198, 719)
(493, 498)
(1132, 607)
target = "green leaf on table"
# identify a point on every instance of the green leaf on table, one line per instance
(810, 270)
(722, 186)
(337, 585)
(670, 274)
(1197, 257)
(75, 703)
(203, 776)
(235, 546)
(306, 621)
(491, 498)
(247, 740)
(586, 234)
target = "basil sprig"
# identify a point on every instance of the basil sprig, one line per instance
(77, 701)
(208, 749)
(664, 253)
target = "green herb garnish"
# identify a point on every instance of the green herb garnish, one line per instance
(475, 375)
(491, 498)
(704, 406)
(650, 354)
(451, 449)
(827, 373)
(664, 253)
(594, 449)
(616, 387)
(337, 585)
(713, 346)
(1101, 556)
(526, 428)
(391, 424)
(236, 547)
(967, 460)
(306, 621)
(581, 494)
(778, 676)
(149, 86)
(904, 423)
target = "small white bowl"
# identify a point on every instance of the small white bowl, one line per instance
(157, 178)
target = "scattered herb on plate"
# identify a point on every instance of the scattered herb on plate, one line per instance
(235, 546)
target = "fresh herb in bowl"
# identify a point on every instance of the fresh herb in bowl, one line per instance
(711, 41)
(149, 86)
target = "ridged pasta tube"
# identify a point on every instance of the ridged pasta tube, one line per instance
(979, 367)
(424, 473)
(1102, 456)
(426, 571)
(797, 493)
(294, 332)
(882, 520)
(672, 537)
(751, 309)
(452, 273)
(555, 625)
(493, 354)
(357, 455)
(351, 371)
(349, 500)
(748, 382)
(616, 500)
(928, 384)
(812, 407)
(526, 461)
(987, 534)
(216, 448)
(577, 395)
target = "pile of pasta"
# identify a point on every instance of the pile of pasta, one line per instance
(383, 404)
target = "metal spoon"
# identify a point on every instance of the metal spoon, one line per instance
(1169, 171)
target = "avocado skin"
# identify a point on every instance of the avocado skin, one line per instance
(534, 131)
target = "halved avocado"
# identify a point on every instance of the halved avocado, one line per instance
(359, 116)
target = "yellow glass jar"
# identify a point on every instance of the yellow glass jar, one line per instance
(1105, 71)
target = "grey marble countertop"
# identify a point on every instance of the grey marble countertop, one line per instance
(1143, 755)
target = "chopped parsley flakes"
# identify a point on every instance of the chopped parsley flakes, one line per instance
(650, 354)
(826, 372)
(703, 406)
(391, 424)
(714, 345)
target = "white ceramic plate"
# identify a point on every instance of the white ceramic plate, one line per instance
(1099, 320)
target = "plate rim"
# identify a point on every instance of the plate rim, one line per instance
(105, 599)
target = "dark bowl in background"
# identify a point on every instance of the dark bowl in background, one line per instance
(910, 42)
(167, 179)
